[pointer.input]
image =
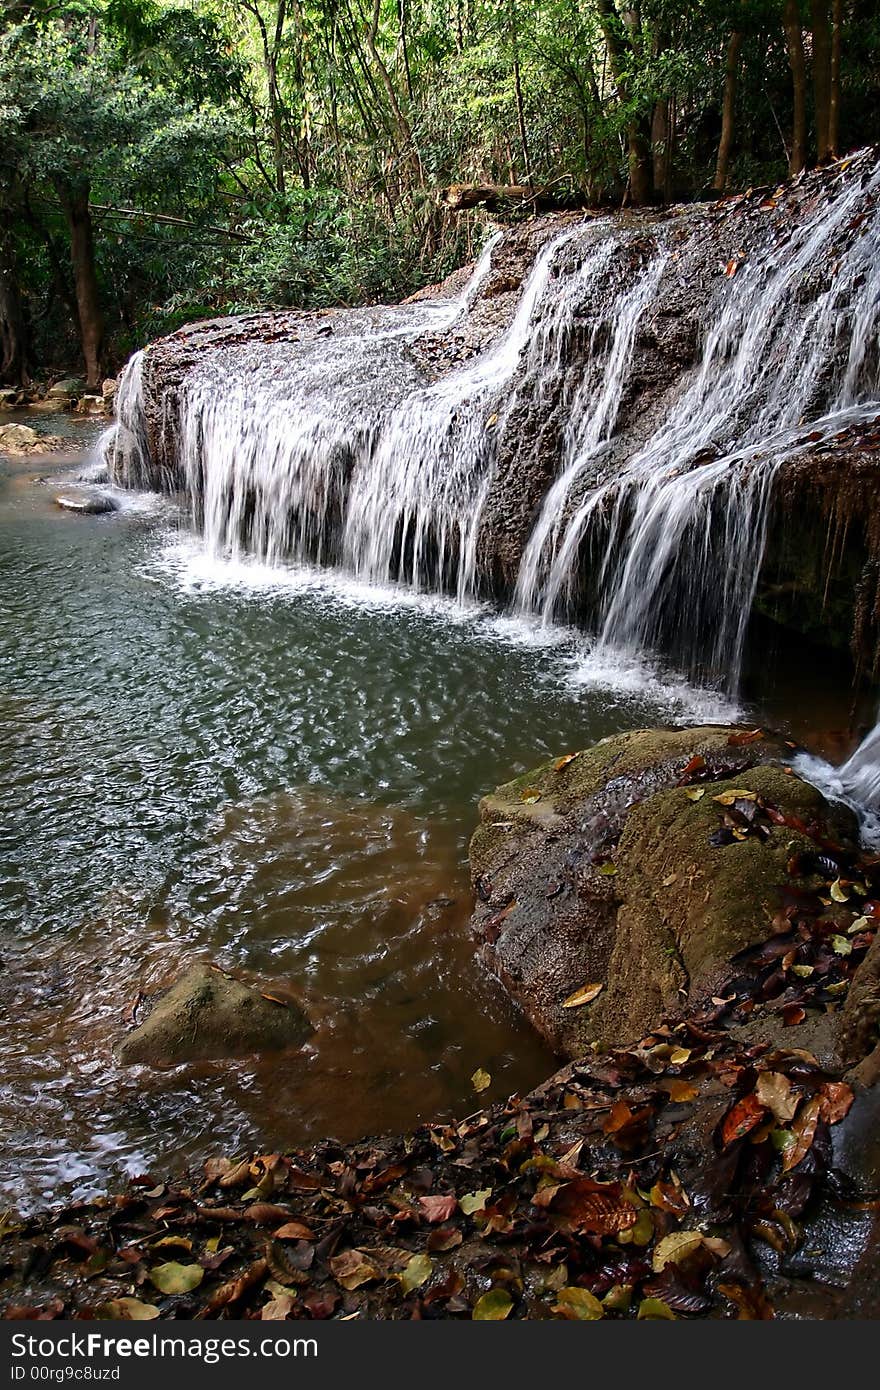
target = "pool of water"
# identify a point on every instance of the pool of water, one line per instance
(276, 771)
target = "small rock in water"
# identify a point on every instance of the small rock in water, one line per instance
(69, 389)
(15, 439)
(87, 503)
(207, 1014)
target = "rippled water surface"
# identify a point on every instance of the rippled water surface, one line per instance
(276, 772)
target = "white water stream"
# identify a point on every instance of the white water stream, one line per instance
(340, 451)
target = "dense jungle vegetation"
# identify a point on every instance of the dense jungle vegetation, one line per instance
(163, 160)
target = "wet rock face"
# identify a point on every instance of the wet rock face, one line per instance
(208, 1015)
(618, 867)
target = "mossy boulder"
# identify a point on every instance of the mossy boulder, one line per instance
(208, 1015)
(607, 868)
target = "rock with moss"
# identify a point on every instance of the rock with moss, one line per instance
(617, 867)
(209, 1015)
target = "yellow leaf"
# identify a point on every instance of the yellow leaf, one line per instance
(475, 1201)
(674, 1248)
(565, 760)
(176, 1278)
(585, 995)
(417, 1271)
(838, 892)
(695, 793)
(655, 1308)
(481, 1080)
(580, 1304)
(129, 1310)
(494, 1306)
(737, 794)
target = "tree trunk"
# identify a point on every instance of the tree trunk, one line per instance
(13, 332)
(794, 40)
(728, 111)
(618, 34)
(834, 95)
(88, 302)
(821, 75)
(661, 150)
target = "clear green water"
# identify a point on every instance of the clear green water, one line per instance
(275, 772)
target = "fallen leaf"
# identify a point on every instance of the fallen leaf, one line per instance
(576, 1303)
(481, 1080)
(674, 1248)
(565, 760)
(585, 995)
(678, 1090)
(475, 1201)
(445, 1238)
(494, 1306)
(774, 1090)
(530, 795)
(416, 1273)
(741, 1118)
(695, 793)
(836, 1099)
(129, 1310)
(294, 1230)
(439, 1208)
(351, 1269)
(792, 1015)
(656, 1309)
(838, 892)
(176, 1278)
(804, 1132)
(278, 1308)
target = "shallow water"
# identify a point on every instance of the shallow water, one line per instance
(274, 770)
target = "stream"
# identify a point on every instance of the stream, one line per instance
(276, 770)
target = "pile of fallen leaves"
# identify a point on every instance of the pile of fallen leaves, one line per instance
(647, 1182)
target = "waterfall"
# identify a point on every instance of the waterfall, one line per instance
(337, 451)
(680, 527)
(860, 775)
(350, 440)
(124, 443)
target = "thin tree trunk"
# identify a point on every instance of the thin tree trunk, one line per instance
(821, 75)
(13, 331)
(637, 142)
(660, 149)
(794, 40)
(88, 302)
(728, 111)
(834, 95)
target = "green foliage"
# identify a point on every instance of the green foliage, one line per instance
(245, 153)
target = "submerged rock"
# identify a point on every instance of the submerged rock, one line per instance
(87, 503)
(208, 1015)
(618, 867)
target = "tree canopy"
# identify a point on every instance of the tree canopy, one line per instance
(169, 159)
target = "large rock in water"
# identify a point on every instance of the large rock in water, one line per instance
(208, 1015)
(618, 866)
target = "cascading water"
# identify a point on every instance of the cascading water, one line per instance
(681, 525)
(337, 448)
